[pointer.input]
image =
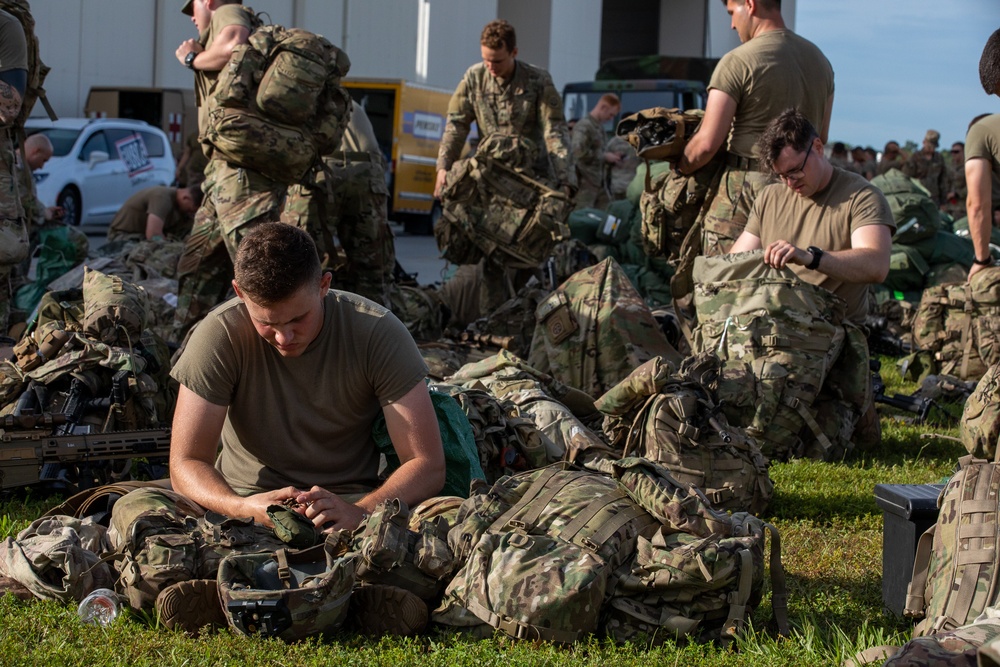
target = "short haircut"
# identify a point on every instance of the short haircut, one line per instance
(790, 128)
(499, 34)
(989, 65)
(197, 195)
(38, 141)
(839, 147)
(889, 144)
(274, 261)
(611, 99)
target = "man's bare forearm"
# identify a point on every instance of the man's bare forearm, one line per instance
(413, 482)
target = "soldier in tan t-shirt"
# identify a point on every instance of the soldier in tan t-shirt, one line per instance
(155, 213)
(772, 70)
(982, 162)
(290, 377)
(830, 226)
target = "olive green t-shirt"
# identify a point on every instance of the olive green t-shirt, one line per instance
(204, 82)
(159, 200)
(983, 141)
(13, 46)
(825, 220)
(306, 420)
(768, 74)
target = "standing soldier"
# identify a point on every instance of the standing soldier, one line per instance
(590, 153)
(955, 200)
(236, 198)
(13, 83)
(519, 112)
(982, 161)
(927, 166)
(358, 188)
(773, 69)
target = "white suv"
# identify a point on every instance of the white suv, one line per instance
(99, 163)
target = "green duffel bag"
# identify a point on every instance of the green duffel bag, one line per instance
(618, 221)
(945, 248)
(635, 189)
(584, 223)
(907, 269)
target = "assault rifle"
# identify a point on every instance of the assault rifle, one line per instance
(919, 406)
(882, 341)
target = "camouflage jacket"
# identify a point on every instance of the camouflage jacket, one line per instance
(588, 152)
(34, 211)
(930, 171)
(527, 105)
(10, 198)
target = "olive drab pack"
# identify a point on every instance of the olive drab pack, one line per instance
(115, 311)
(778, 338)
(979, 429)
(660, 133)
(959, 323)
(956, 574)
(594, 329)
(289, 594)
(673, 418)
(914, 212)
(492, 210)
(278, 105)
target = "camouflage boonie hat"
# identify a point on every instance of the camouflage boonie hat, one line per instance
(288, 594)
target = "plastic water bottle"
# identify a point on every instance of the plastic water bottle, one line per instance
(101, 607)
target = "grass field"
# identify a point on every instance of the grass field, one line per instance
(831, 534)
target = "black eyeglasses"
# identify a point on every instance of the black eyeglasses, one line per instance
(796, 174)
(956, 151)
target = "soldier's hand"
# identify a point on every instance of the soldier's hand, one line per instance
(612, 158)
(439, 184)
(186, 47)
(329, 511)
(256, 505)
(781, 253)
(976, 268)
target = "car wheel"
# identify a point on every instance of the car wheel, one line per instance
(69, 200)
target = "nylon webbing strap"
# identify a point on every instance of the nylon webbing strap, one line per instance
(534, 491)
(779, 589)
(284, 573)
(581, 520)
(519, 629)
(915, 602)
(738, 599)
(635, 433)
(813, 425)
(966, 332)
(970, 555)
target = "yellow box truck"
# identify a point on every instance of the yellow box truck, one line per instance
(408, 119)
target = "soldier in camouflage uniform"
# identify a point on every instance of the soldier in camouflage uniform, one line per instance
(772, 70)
(357, 174)
(13, 82)
(508, 98)
(236, 199)
(590, 154)
(927, 166)
(954, 203)
(892, 158)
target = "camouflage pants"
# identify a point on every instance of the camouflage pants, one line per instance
(591, 196)
(5, 299)
(358, 201)
(729, 209)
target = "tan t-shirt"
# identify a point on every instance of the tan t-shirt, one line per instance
(770, 73)
(13, 46)
(204, 82)
(160, 201)
(983, 141)
(306, 420)
(825, 220)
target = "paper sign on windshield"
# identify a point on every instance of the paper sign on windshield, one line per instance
(132, 151)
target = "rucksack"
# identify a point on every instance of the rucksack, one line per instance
(778, 337)
(956, 573)
(959, 323)
(913, 210)
(278, 105)
(37, 70)
(979, 429)
(490, 209)
(660, 133)
(594, 329)
(674, 419)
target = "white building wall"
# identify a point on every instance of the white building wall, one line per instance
(575, 43)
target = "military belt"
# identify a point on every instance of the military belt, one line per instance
(740, 162)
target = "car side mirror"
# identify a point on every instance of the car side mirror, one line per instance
(96, 157)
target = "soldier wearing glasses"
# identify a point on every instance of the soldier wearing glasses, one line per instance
(830, 226)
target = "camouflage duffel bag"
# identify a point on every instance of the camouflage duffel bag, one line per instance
(960, 324)
(673, 419)
(280, 152)
(979, 429)
(291, 595)
(536, 553)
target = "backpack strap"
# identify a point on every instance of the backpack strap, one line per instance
(537, 489)
(779, 589)
(519, 629)
(915, 602)
(967, 338)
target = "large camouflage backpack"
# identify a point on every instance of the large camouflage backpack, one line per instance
(594, 329)
(979, 429)
(536, 553)
(956, 573)
(278, 105)
(289, 594)
(972, 645)
(37, 70)
(959, 323)
(778, 338)
(913, 210)
(492, 210)
(675, 420)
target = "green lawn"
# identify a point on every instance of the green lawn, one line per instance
(831, 534)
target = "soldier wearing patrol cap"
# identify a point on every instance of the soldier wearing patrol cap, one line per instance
(927, 166)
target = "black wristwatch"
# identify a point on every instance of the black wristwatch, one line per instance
(189, 59)
(817, 255)
(983, 262)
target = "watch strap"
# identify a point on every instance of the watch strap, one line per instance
(817, 254)
(983, 262)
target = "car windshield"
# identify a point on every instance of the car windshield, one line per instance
(62, 139)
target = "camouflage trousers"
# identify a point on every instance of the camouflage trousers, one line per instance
(5, 298)
(358, 201)
(591, 195)
(727, 214)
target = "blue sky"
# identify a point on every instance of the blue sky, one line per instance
(902, 66)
